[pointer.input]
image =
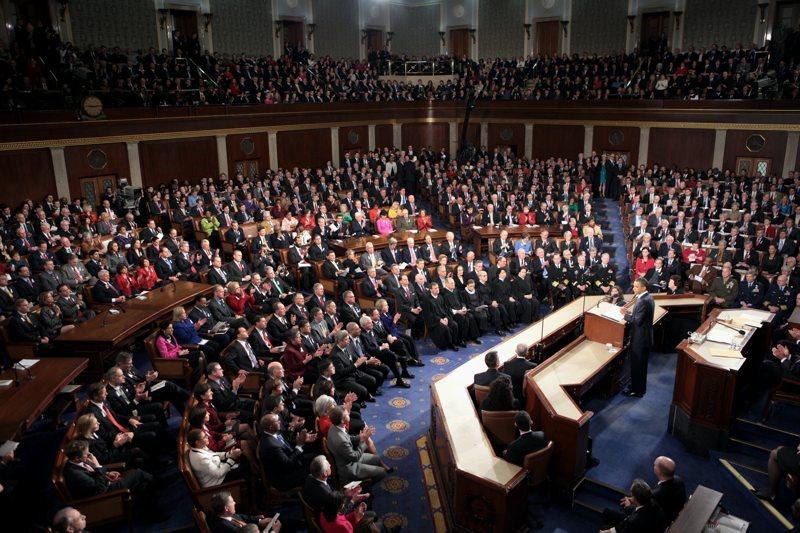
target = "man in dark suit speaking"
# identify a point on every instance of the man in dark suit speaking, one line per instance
(640, 317)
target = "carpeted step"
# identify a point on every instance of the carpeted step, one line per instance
(762, 435)
(595, 495)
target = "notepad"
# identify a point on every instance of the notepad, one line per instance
(725, 352)
(27, 363)
(158, 386)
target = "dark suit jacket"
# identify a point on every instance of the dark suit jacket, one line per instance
(486, 378)
(523, 445)
(237, 359)
(215, 278)
(104, 294)
(646, 519)
(22, 330)
(287, 468)
(671, 497)
(224, 397)
(516, 367)
(220, 525)
(29, 291)
(641, 318)
(278, 330)
(348, 314)
(82, 483)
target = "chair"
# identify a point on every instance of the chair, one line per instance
(200, 520)
(537, 465)
(273, 496)
(481, 392)
(312, 521)
(106, 508)
(16, 349)
(177, 369)
(500, 426)
(786, 391)
(337, 484)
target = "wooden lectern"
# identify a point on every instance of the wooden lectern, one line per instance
(602, 326)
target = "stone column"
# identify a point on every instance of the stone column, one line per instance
(335, 146)
(397, 135)
(60, 171)
(371, 136)
(588, 140)
(719, 148)
(529, 140)
(134, 163)
(453, 138)
(222, 154)
(790, 158)
(485, 134)
(272, 146)
(644, 145)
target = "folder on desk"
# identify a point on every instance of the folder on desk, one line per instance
(725, 352)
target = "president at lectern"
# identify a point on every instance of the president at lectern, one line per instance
(640, 317)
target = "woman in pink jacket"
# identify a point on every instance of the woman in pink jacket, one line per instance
(384, 224)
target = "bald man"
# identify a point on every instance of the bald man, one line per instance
(670, 492)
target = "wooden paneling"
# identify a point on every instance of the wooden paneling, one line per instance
(26, 174)
(617, 139)
(557, 141)
(304, 148)
(774, 148)
(236, 151)
(507, 135)
(681, 147)
(353, 139)
(184, 159)
(548, 34)
(383, 136)
(77, 158)
(435, 135)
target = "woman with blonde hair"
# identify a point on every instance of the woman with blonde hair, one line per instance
(120, 449)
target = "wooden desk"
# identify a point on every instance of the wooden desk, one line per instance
(555, 387)
(358, 244)
(482, 491)
(97, 337)
(21, 406)
(705, 383)
(489, 233)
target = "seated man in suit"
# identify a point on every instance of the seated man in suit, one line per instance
(222, 312)
(225, 518)
(278, 326)
(241, 356)
(670, 492)
(348, 451)
(133, 401)
(226, 394)
(516, 368)
(69, 520)
(288, 462)
(237, 269)
(349, 375)
(104, 292)
(527, 442)
(645, 514)
(25, 327)
(85, 477)
(492, 373)
(166, 269)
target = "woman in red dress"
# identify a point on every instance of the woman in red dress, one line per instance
(643, 263)
(126, 283)
(295, 357)
(238, 300)
(146, 276)
(424, 222)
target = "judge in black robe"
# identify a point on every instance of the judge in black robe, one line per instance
(444, 335)
(460, 313)
(522, 290)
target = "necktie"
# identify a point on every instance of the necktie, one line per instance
(283, 442)
(113, 420)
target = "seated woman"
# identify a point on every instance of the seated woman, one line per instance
(219, 421)
(395, 210)
(213, 468)
(332, 519)
(146, 276)
(219, 441)
(114, 257)
(773, 261)
(119, 450)
(694, 254)
(185, 332)
(168, 348)
(384, 224)
(135, 253)
(50, 317)
(307, 221)
(615, 296)
(126, 283)
(424, 222)
(239, 301)
(500, 396)
(296, 359)
(643, 264)
(323, 406)
(289, 223)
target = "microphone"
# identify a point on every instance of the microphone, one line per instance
(27, 370)
(739, 331)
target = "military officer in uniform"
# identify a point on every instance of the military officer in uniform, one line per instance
(724, 289)
(558, 276)
(751, 292)
(581, 278)
(778, 298)
(604, 277)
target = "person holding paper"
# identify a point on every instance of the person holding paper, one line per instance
(640, 317)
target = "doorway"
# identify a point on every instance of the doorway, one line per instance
(184, 32)
(548, 34)
(248, 168)
(374, 41)
(92, 189)
(459, 43)
(293, 34)
(655, 31)
(752, 166)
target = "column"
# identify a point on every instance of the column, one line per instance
(485, 134)
(371, 136)
(790, 158)
(719, 148)
(397, 135)
(529, 141)
(272, 145)
(134, 163)
(222, 154)
(644, 145)
(60, 171)
(588, 140)
(453, 138)
(335, 146)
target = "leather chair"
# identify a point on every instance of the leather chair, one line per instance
(200, 520)
(786, 391)
(500, 426)
(537, 465)
(177, 369)
(481, 392)
(312, 521)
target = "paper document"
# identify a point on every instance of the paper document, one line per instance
(477, 227)
(725, 352)
(8, 447)
(723, 334)
(27, 363)
(158, 386)
(610, 311)
(5, 383)
(203, 342)
(69, 389)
